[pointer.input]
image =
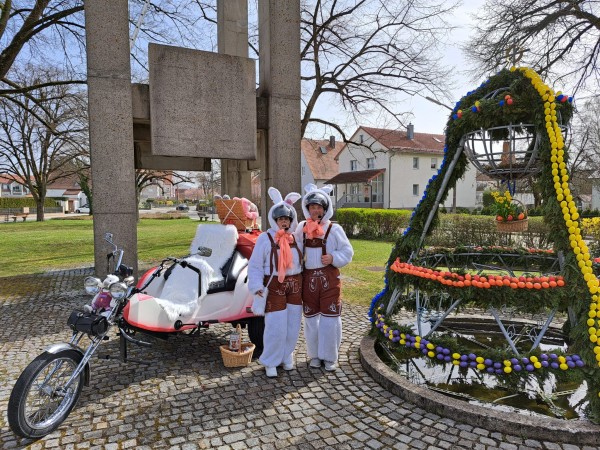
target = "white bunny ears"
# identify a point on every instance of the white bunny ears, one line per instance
(290, 199)
(327, 189)
(278, 200)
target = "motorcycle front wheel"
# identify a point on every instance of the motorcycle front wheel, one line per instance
(40, 402)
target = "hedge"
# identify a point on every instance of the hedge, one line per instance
(373, 223)
(12, 202)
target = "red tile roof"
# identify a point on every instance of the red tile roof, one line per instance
(399, 141)
(322, 165)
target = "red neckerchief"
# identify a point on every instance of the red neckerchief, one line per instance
(313, 229)
(284, 240)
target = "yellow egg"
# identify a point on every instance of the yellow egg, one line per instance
(563, 367)
(481, 366)
(431, 354)
(507, 369)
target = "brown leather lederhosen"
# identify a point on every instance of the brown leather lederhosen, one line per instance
(321, 288)
(286, 292)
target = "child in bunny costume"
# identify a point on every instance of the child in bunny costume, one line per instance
(275, 279)
(326, 249)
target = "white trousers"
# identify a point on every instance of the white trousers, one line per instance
(282, 329)
(323, 337)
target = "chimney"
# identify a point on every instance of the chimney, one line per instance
(332, 141)
(410, 131)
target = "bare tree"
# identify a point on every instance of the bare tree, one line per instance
(41, 132)
(361, 55)
(560, 39)
(210, 182)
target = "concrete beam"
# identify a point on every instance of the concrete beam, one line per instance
(202, 104)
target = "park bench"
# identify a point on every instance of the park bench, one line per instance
(203, 216)
(16, 216)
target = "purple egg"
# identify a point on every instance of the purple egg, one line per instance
(575, 358)
(488, 362)
(545, 364)
(473, 364)
(497, 365)
(568, 358)
(514, 361)
(571, 364)
(463, 364)
(463, 357)
(424, 351)
(499, 371)
(579, 363)
(396, 339)
(439, 356)
(446, 351)
(490, 370)
(438, 349)
(525, 361)
(447, 358)
(554, 365)
(396, 333)
(553, 356)
(472, 356)
(544, 356)
(517, 368)
(529, 368)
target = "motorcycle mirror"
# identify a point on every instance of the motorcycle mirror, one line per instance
(204, 251)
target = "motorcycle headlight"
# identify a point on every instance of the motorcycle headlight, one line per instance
(118, 290)
(92, 285)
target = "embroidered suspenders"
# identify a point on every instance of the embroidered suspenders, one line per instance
(312, 243)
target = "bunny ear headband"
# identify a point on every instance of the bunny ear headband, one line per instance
(328, 188)
(290, 199)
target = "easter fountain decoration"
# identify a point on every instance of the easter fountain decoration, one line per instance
(510, 127)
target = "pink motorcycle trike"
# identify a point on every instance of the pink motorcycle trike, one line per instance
(180, 295)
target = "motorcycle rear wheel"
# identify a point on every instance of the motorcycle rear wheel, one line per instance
(38, 403)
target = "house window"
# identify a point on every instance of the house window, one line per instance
(416, 190)
(16, 189)
(361, 138)
(415, 162)
(353, 165)
(370, 163)
(434, 163)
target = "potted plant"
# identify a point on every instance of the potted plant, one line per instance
(511, 214)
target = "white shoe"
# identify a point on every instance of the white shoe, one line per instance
(289, 366)
(271, 371)
(315, 363)
(330, 366)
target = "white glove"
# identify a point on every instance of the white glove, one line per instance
(259, 303)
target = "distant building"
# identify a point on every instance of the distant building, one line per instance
(319, 160)
(391, 169)
(9, 187)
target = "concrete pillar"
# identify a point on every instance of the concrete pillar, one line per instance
(232, 39)
(111, 130)
(279, 43)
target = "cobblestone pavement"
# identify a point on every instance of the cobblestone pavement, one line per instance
(187, 399)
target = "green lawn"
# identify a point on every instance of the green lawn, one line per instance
(36, 247)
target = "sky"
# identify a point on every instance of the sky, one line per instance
(428, 117)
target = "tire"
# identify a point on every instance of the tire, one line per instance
(77, 211)
(35, 407)
(256, 328)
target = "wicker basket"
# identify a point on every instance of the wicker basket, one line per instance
(231, 212)
(514, 226)
(237, 358)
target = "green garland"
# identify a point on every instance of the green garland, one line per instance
(531, 102)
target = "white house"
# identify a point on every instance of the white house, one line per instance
(10, 188)
(391, 169)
